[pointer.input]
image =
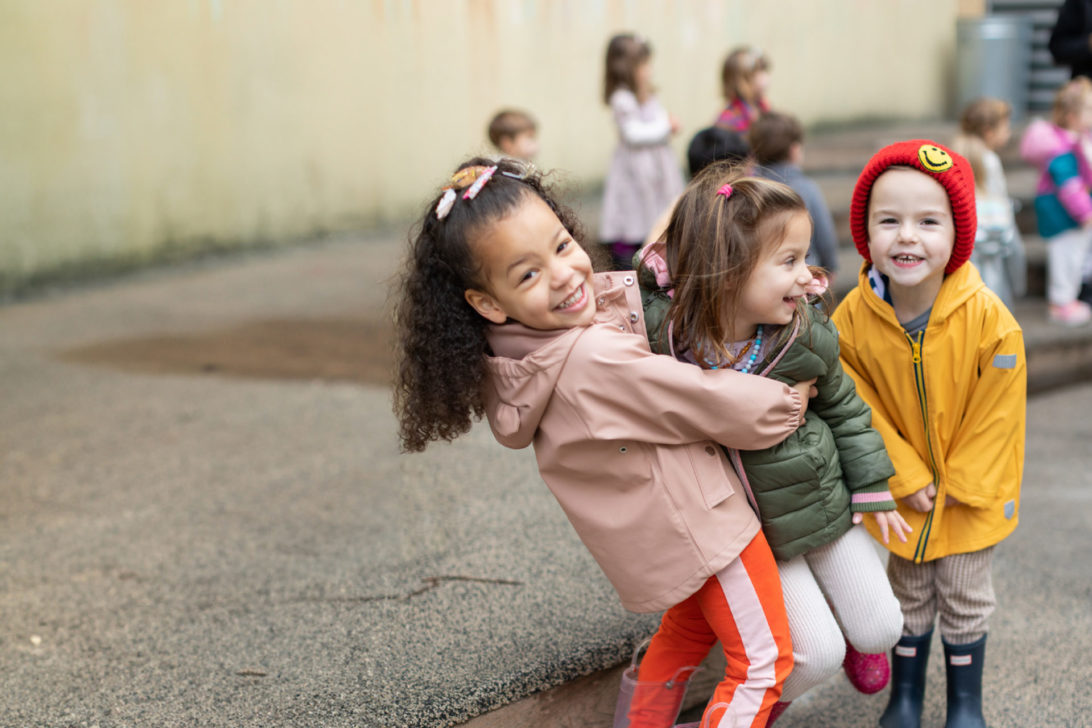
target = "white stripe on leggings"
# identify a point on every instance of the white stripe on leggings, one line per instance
(758, 643)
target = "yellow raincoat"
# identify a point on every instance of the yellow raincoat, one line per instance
(950, 403)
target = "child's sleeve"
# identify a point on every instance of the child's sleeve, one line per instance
(632, 128)
(866, 466)
(626, 392)
(912, 473)
(1072, 192)
(988, 449)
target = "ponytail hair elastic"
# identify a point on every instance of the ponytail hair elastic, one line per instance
(725, 190)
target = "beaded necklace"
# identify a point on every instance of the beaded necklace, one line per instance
(755, 346)
(754, 351)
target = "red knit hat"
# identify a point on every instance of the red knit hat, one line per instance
(952, 171)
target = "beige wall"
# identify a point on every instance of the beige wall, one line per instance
(134, 129)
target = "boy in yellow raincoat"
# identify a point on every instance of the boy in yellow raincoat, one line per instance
(941, 361)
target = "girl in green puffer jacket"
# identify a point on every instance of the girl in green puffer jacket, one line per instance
(728, 287)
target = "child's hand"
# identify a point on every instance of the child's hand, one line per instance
(819, 283)
(807, 390)
(888, 520)
(676, 127)
(922, 501)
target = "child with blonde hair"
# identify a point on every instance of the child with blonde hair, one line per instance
(500, 314)
(1062, 149)
(744, 78)
(729, 288)
(644, 176)
(998, 249)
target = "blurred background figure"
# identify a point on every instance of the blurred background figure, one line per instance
(777, 144)
(998, 248)
(514, 133)
(716, 144)
(712, 144)
(1071, 38)
(644, 176)
(744, 78)
(1063, 209)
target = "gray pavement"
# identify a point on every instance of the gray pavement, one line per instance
(202, 550)
(1038, 670)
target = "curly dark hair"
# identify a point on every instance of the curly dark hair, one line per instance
(441, 344)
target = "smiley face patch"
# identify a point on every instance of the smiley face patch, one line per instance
(934, 158)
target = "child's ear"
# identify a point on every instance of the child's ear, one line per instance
(485, 305)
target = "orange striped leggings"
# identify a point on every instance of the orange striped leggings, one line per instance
(741, 606)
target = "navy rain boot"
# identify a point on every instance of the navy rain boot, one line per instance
(908, 661)
(963, 663)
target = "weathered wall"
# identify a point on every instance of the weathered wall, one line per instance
(133, 129)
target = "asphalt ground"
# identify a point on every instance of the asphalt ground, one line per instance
(190, 535)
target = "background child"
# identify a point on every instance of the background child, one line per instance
(515, 134)
(941, 362)
(737, 298)
(712, 144)
(644, 176)
(1063, 208)
(777, 142)
(744, 78)
(500, 314)
(998, 250)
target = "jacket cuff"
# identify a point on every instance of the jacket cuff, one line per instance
(797, 413)
(871, 502)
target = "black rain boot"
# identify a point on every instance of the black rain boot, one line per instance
(908, 661)
(963, 663)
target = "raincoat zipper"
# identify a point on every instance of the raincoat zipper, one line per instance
(919, 381)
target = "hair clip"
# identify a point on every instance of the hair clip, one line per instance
(465, 177)
(726, 190)
(472, 179)
(443, 207)
(474, 189)
(515, 175)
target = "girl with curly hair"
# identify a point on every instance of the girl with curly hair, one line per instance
(502, 315)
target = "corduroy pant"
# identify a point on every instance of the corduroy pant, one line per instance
(834, 593)
(957, 588)
(741, 606)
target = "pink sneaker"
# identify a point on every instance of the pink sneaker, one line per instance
(1074, 313)
(868, 673)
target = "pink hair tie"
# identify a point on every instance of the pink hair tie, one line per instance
(726, 190)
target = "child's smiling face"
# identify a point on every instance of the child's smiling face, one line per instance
(911, 230)
(778, 281)
(533, 271)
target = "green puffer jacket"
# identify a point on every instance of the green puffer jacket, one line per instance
(807, 487)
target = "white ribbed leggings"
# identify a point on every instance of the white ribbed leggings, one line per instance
(834, 593)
